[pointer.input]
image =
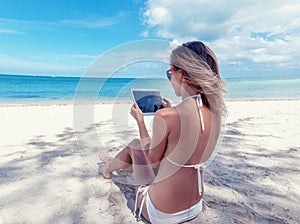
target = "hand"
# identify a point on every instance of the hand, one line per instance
(165, 103)
(137, 113)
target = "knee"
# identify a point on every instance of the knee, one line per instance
(135, 144)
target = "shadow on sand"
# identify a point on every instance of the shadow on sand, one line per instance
(232, 170)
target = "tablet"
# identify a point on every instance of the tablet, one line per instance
(148, 100)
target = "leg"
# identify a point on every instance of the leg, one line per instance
(130, 155)
(111, 164)
(103, 156)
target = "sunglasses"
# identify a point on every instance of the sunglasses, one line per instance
(169, 73)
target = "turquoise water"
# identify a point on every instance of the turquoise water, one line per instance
(28, 89)
(264, 88)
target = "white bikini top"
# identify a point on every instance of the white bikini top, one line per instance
(199, 104)
(199, 166)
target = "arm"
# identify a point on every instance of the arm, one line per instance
(159, 139)
(154, 148)
(139, 117)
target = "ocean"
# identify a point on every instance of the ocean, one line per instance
(15, 89)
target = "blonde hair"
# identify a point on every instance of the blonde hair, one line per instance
(201, 72)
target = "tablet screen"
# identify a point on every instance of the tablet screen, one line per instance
(148, 100)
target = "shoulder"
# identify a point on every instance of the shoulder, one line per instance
(166, 116)
(166, 112)
(163, 120)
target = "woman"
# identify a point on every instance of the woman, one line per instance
(184, 137)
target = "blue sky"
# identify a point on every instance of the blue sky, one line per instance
(62, 38)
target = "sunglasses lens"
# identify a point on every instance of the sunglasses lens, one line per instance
(169, 75)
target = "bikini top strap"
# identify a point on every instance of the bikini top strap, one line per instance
(199, 105)
(198, 167)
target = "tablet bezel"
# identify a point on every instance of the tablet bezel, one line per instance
(148, 90)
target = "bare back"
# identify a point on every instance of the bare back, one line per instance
(176, 188)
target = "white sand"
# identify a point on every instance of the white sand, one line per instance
(48, 173)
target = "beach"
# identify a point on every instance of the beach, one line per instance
(49, 153)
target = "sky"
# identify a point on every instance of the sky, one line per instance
(63, 38)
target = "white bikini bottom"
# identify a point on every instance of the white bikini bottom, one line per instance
(158, 217)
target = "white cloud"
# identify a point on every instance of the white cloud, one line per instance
(24, 24)
(236, 30)
(8, 31)
(90, 21)
(83, 56)
(188, 18)
(94, 22)
(14, 65)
